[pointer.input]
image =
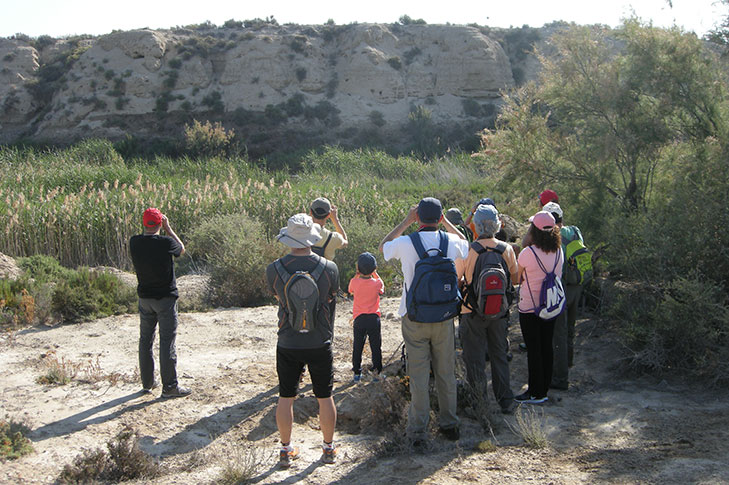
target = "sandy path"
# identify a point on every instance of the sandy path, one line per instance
(609, 427)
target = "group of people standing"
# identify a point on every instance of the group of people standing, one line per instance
(306, 281)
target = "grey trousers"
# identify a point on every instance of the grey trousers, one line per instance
(563, 341)
(426, 343)
(164, 312)
(478, 336)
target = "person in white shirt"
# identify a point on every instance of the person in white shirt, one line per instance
(427, 342)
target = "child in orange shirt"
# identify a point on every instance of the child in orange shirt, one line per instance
(366, 286)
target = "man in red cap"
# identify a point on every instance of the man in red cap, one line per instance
(548, 196)
(152, 256)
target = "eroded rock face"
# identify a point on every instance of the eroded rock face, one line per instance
(140, 81)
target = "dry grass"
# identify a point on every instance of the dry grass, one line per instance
(242, 466)
(57, 371)
(531, 426)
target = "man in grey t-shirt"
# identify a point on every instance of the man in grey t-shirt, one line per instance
(313, 348)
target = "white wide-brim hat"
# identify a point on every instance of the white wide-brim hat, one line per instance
(300, 232)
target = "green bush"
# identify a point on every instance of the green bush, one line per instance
(84, 295)
(237, 252)
(209, 139)
(13, 440)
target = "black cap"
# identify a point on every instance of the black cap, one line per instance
(430, 210)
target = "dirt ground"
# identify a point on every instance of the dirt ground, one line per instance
(609, 427)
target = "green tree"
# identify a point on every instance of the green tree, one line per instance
(606, 106)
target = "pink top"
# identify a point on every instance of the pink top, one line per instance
(366, 293)
(534, 275)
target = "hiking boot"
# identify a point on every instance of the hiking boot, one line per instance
(286, 455)
(328, 455)
(177, 391)
(451, 434)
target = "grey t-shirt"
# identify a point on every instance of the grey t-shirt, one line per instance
(328, 284)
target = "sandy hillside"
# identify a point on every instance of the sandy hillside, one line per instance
(609, 427)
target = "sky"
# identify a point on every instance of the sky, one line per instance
(59, 18)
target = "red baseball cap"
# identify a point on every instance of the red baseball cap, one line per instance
(548, 196)
(152, 217)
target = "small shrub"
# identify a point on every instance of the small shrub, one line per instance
(471, 107)
(208, 139)
(411, 54)
(530, 426)
(237, 264)
(395, 63)
(121, 461)
(377, 118)
(13, 440)
(84, 295)
(175, 63)
(59, 372)
(486, 446)
(241, 466)
(214, 101)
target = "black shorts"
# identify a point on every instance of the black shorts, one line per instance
(290, 363)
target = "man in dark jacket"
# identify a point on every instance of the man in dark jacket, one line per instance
(152, 256)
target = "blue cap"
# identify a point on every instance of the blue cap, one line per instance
(366, 263)
(487, 201)
(430, 210)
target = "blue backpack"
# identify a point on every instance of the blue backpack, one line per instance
(433, 295)
(551, 296)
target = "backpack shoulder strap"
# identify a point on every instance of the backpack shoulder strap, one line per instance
(443, 247)
(500, 247)
(539, 261)
(476, 246)
(326, 243)
(418, 244)
(320, 267)
(282, 273)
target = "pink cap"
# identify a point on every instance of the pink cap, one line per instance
(543, 220)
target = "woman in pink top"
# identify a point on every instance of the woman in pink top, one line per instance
(545, 248)
(366, 286)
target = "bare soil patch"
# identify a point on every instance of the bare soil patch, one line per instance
(609, 427)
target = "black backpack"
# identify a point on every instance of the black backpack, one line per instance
(490, 293)
(300, 297)
(319, 250)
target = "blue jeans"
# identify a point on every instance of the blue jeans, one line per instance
(164, 312)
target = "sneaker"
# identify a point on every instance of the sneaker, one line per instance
(376, 378)
(523, 347)
(328, 455)
(287, 455)
(357, 378)
(451, 434)
(529, 399)
(178, 391)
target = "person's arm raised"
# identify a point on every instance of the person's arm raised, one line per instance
(411, 217)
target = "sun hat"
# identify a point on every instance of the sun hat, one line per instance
(548, 196)
(543, 220)
(300, 232)
(454, 215)
(430, 210)
(486, 219)
(555, 210)
(321, 207)
(366, 263)
(152, 217)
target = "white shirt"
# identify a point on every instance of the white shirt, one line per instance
(402, 248)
